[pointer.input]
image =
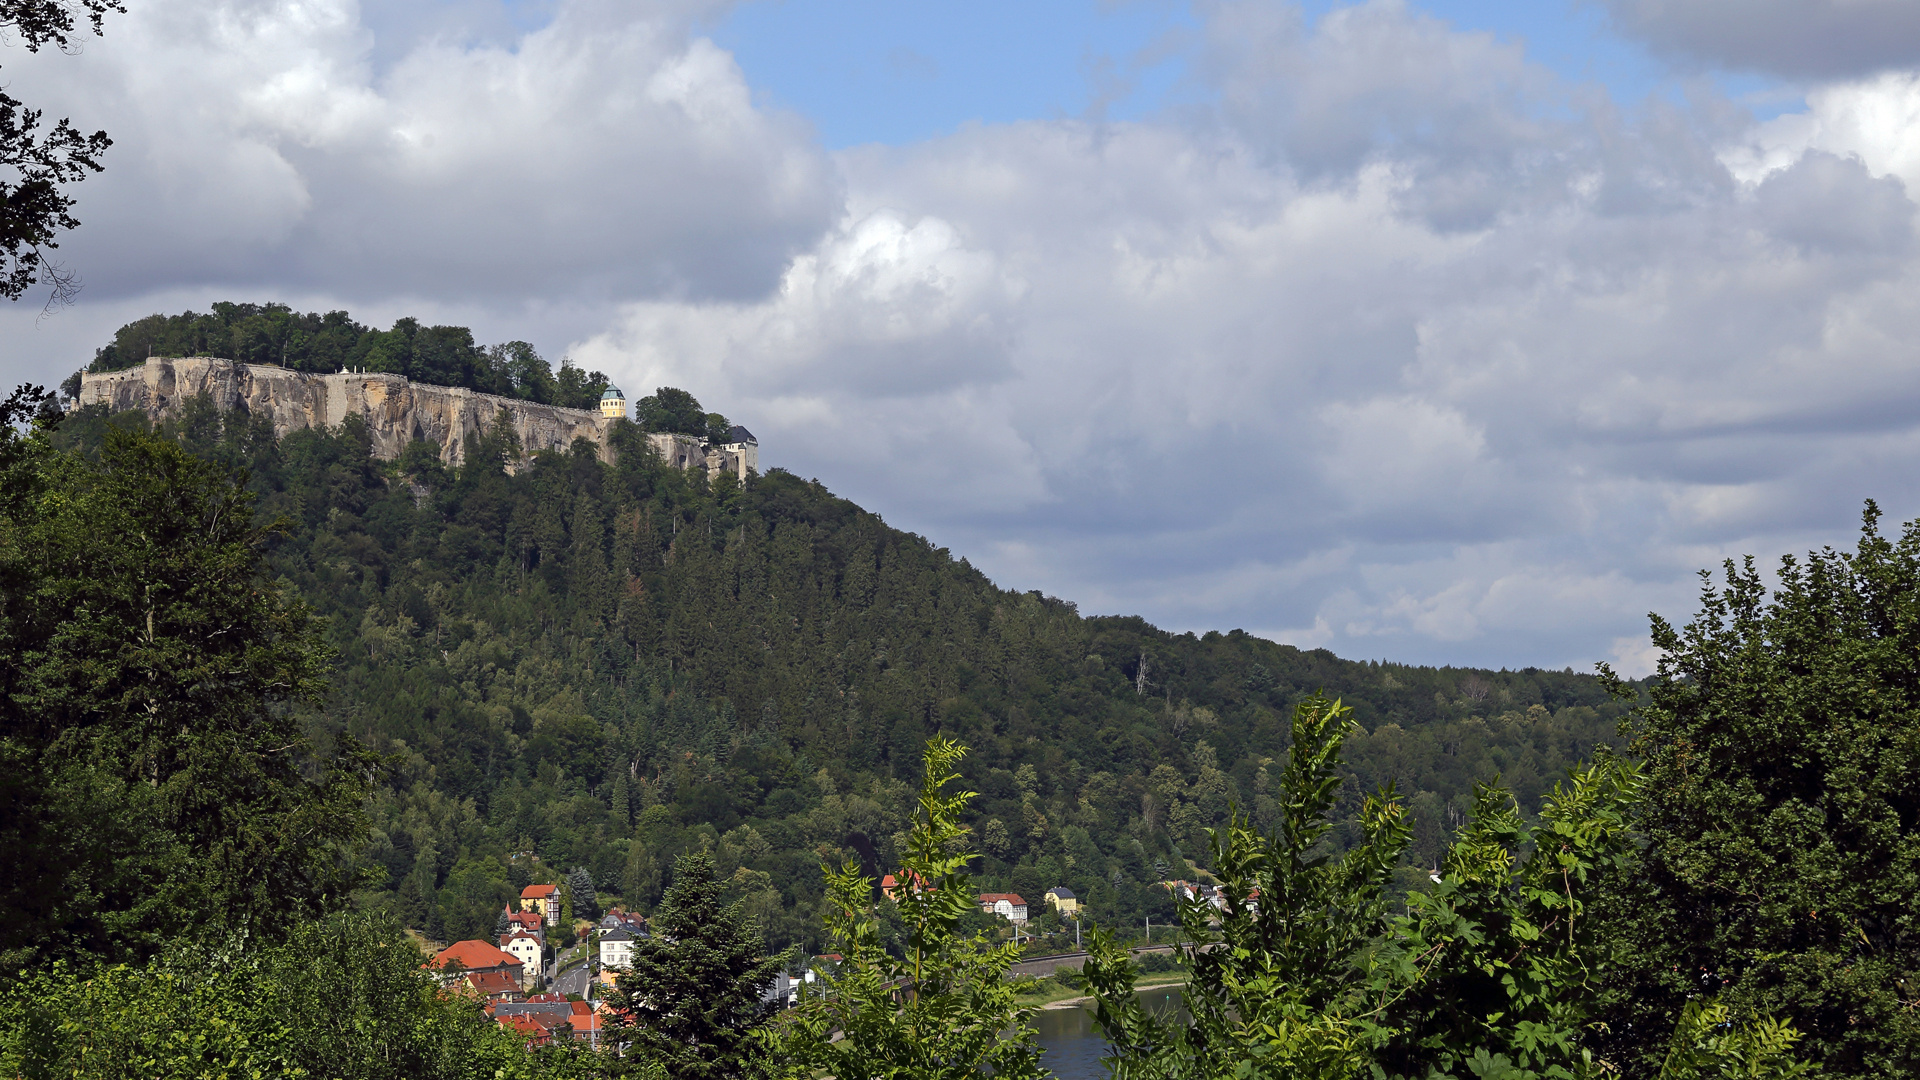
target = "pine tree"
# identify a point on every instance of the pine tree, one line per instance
(503, 925)
(580, 890)
(693, 993)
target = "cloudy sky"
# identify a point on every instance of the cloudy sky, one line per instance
(1459, 332)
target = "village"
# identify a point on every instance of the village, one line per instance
(546, 994)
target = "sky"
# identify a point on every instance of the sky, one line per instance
(1460, 332)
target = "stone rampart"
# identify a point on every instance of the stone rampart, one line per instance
(397, 411)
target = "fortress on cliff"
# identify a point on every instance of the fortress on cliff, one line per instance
(397, 410)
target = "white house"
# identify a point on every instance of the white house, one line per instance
(616, 949)
(1008, 906)
(525, 948)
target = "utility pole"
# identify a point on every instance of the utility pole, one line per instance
(1149, 931)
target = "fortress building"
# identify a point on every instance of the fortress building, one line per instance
(613, 404)
(397, 411)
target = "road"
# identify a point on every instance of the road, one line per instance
(1047, 965)
(572, 980)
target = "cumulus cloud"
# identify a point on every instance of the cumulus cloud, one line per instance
(1819, 39)
(1403, 347)
(610, 152)
(1399, 345)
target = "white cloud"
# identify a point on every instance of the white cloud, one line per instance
(609, 153)
(1403, 344)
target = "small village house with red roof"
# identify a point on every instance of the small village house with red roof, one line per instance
(891, 887)
(1008, 906)
(494, 986)
(463, 958)
(544, 899)
(533, 922)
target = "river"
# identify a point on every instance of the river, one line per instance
(1074, 1047)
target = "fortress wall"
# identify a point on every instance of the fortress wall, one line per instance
(397, 411)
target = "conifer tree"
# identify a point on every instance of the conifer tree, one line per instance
(580, 890)
(692, 997)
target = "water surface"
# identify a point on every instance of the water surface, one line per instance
(1073, 1046)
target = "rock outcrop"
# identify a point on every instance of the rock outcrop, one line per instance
(397, 411)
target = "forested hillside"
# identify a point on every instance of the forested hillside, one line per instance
(576, 664)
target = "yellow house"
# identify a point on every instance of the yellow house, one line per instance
(1062, 898)
(544, 899)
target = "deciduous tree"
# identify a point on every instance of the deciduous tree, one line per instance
(1782, 814)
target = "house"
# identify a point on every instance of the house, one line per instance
(616, 949)
(1008, 906)
(783, 991)
(544, 899)
(544, 1018)
(493, 986)
(463, 958)
(532, 922)
(529, 949)
(741, 451)
(1062, 899)
(619, 919)
(892, 887)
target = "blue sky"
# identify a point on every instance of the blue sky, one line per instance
(900, 71)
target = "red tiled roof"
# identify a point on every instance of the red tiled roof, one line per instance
(538, 892)
(474, 955)
(1011, 898)
(492, 982)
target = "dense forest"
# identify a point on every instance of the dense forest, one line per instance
(574, 664)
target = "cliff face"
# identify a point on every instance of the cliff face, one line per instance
(397, 411)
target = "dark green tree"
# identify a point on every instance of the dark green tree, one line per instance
(693, 994)
(1782, 819)
(586, 902)
(160, 779)
(671, 409)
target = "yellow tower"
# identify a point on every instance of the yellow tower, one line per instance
(613, 403)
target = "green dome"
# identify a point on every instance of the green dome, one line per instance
(613, 392)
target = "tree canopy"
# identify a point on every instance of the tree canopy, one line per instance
(161, 778)
(1782, 819)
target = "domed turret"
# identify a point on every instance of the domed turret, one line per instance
(613, 403)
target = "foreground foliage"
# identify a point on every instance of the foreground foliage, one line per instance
(1782, 817)
(693, 997)
(1493, 973)
(943, 1010)
(346, 997)
(157, 778)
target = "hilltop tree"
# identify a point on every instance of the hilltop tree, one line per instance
(1782, 814)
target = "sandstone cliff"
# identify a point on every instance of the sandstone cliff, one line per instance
(397, 411)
